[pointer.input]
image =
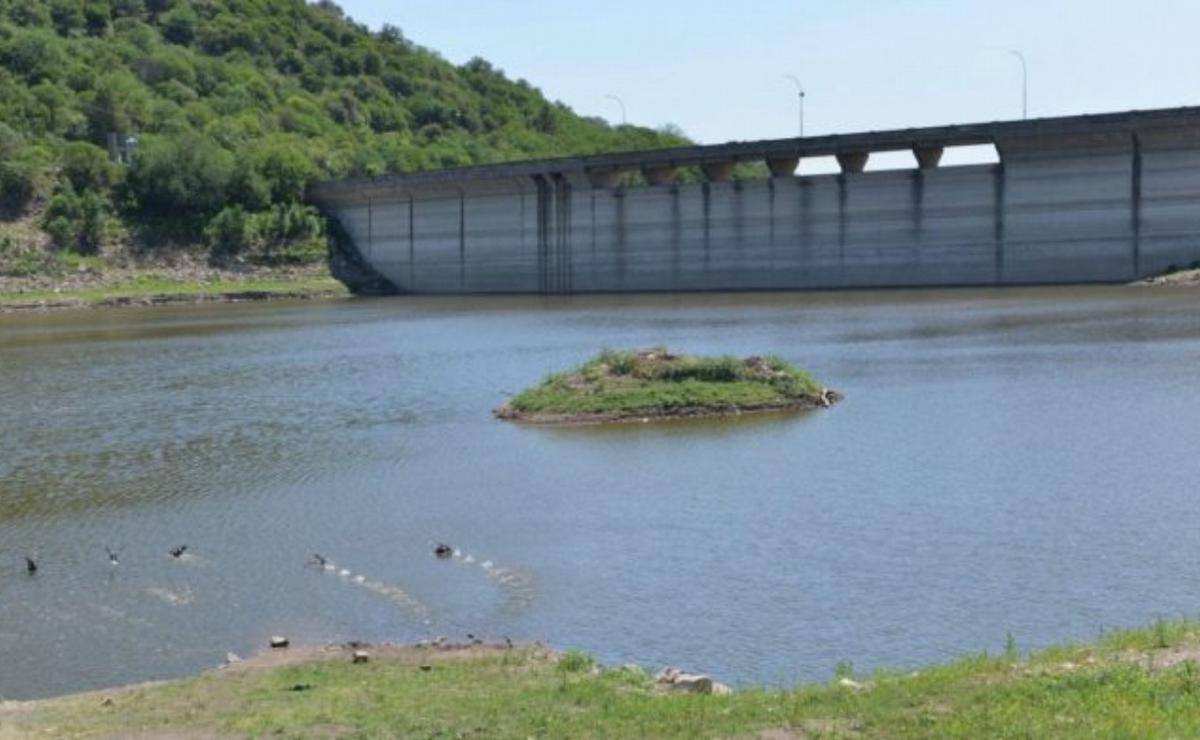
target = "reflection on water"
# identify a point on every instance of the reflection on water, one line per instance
(1005, 461)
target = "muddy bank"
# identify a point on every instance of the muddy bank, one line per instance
(508, 413)
(163, 299)
(164, 283)
(1182, 278)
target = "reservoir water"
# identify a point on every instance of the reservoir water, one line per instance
(1018, 461)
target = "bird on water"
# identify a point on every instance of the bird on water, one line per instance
(30, 566)
(443, 551)
(112, 556)
(177, 552)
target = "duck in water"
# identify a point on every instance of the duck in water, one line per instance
(30, 566)
(177, 552)
(443, 551)
(112, 556)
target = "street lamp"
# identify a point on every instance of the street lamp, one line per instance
(800, 94)
(620, 103)
(1024, 83)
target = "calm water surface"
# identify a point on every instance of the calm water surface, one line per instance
(1020, 461)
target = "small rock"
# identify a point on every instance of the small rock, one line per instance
(301, 687)
(667, 675)
(426, 667)
(278, 641)
(232, 658)
(720, 689)
(696, 683)
(850, 683)
(361, 656)
(108, 702)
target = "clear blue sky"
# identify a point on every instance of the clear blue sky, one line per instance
(715, 67)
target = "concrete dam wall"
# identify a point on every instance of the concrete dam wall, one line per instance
(1072, 200)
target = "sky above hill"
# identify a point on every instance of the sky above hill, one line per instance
(716, 68)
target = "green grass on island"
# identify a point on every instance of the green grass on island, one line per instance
(617, 385)
(1137, 683)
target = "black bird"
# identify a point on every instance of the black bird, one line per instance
(319, 560)
(112, 556)
(30, 566)
(177, 552)
(443, 551)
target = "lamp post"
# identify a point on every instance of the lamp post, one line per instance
(1024, 83)
(800, 95)
(621, 103)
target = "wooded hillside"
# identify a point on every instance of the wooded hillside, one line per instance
(219, 112)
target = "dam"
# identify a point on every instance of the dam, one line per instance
(1079, 199)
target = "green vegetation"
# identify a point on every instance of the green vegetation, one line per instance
(654, 382)
(235, 106)
(1135, 683)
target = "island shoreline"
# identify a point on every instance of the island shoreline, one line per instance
(507, 413)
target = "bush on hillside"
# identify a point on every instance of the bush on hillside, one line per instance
(74, 220)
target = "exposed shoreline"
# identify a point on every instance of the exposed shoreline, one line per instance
(171, 285)
(157, 285)
(1189, 278)
(1136, 682)
(508, 413)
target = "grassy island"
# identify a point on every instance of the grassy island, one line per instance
(654, 383)
(1136, 683)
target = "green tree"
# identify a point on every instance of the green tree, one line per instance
(67, 16)
(179, 24)
(187, 176)
(86, 167)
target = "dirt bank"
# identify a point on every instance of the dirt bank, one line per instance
(99, 285)
(1180, 278)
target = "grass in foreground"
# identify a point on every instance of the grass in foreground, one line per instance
(1136, 683)
(153, 286)
(655, 382)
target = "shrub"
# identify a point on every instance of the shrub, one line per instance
(24, 177)
(619, 363)
(283, 234)
(227, 233)
(86, 166)
(75, 220)
(575, 661)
